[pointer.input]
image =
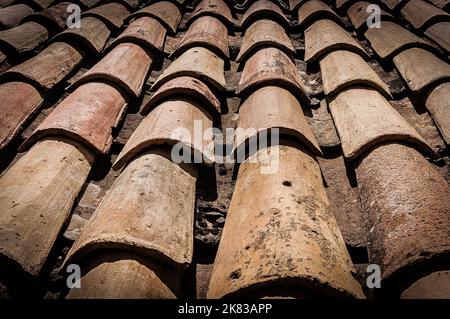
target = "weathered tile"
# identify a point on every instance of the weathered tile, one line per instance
(126, 65)
(54, 17)
(49, 67)
(271, 66)
(43, 4)
(343, 69)
(364, 119)
(437, 103)
(130, 4)
(88, 115)
(359, 14)
(440, 33)
(294, 4)
(165, 12)
(325, 36)
(90, 3)
(112, 14)
(36, 196)
(149, 210)
(5, 3)
(273, 107)
(24, 38)
(18, 102)
(11, 16)
(391, 39)
(420, 68)
(93, 34)
(264, 33)
(284, 236)
(184, 86)
(407, 202)
(214, 8)
(421, 14)
(323, 128)
(393, 4)
(207, 32)
(178, 122)
(264, 9)
(441, 4)
(433, 286)
(313, 10)
(199, 63)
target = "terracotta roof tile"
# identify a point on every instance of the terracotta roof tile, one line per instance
(422, 15)
(214, 8)
(325, 36)
(263, 33)
(207, 32)
(130, 4)
(313, 10)
(43, 4)
(12, 16)
(437, 104)
(264, 9)
(440, 33)
(23, 38)
(441, 4)
(271, 66)
(88, 115)
(359, 14)
(5, 3)
(343, 69)
(393, 4)
(54, 17)
(294, 4)
(113, 14)
(165, 12)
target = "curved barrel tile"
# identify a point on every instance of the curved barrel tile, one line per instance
(433, 286)
(359, 14)
(144, 31)
(181, 122)
(314, 10)
(393, 4)
(18, 102)
(36, 197)
(165, 12)
(42, 4)
(5, 3)
(437, 103)
(364, 119)
(294, 4)
(112, 14)
(88, 116)
(93, 34)
(264, 33)
(281, 233)
(11, 16)
(441, 4)
(23, 38)
(149, 210)
(407, 202)
(273, 107)
(199, 63)
(126, 66)
(130, 4)
(49, 67)
(54, 17)
(422, 15)
(215, 8)
(421, 69)
(123, 275)
(342, 69)
(185, 86)
(391, 39)
(89, 3)
(325, 36)
(207, 32)
(264, 9)
(440, 33)
(271, 66)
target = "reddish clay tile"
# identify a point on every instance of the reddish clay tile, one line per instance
(421, 69)
(182, 122)
(12, 16)
(391, 39)
(343, 4)
(126, 65)
(207, 32)
(88, 115)
(314, 10)
(393, 4)
(119, 274)
(437, 104)
(273, 107)
(440, 33)
(149, 210)
(18, 101)
(271, 66)
(294, 4)
(285, 236)
(358, 14)
(49, 67)
(93, 34)
(89, 3)
(407, 202)
(145, 31)
(113, 14)
(24, 38)
(54, 17)
(5, 3)
(441, 4)
(422, 15)
(343, 69)
(184, 86)
(199, 63)
(36, 197)
(43, 4)
(324, 36)
(263, 33)
(264, 9)
(215, 8)
(165, 12)
(433, 286)
(364, 119)
(130, 4)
